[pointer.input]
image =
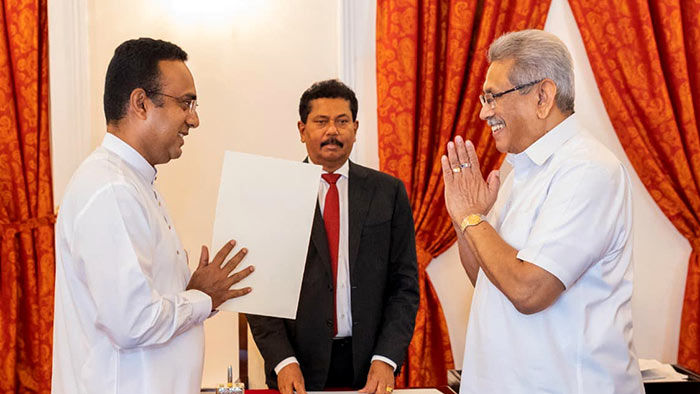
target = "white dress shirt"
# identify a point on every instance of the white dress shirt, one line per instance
(124, 322)
(343, 292)
(566, 207)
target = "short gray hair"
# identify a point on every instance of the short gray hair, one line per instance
(537, 55)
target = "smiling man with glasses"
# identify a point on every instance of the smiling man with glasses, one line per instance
(128, 313)
(549, 249)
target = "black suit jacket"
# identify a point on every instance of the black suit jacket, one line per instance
(383, 280)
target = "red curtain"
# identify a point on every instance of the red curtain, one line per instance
(431, 64)
(645, 57)
(26, 206)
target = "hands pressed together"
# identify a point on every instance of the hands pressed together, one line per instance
(466, 191)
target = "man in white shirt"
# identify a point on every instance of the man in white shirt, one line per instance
(359, 295)
(551, 263)
(128, 316)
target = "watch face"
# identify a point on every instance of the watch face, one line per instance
(473, 219)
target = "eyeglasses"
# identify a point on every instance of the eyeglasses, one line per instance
(190, 103)
(490, 98)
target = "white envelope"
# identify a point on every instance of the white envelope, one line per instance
(267, 205)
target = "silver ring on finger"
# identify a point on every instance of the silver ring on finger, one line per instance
(457, 169)
(465, 165)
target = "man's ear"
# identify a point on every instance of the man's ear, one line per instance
(138, 102)
(545, 98)
(301, 126)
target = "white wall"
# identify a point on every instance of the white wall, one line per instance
(69, 90)
(358, 68)
(251, 61)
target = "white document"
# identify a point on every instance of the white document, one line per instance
(656, 371)
(267, 205)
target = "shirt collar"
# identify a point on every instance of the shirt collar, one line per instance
(344, 170)
(545, 146)
(127, 153)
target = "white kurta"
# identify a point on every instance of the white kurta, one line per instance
(566, 207)
(123, 320)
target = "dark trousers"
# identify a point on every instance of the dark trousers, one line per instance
(340, 374)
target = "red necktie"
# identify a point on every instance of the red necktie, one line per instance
(331, 220)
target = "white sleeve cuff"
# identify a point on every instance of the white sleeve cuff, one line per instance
(284, 363)
(384, 359)
(201, 305)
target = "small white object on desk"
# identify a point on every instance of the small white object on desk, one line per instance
(656, 371)
(230, 387)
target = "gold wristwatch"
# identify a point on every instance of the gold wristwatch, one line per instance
(472, 220)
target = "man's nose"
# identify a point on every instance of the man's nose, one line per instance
(332, 128)
(486, 111)
(192, 119)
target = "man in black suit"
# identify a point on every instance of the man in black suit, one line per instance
(359, 295)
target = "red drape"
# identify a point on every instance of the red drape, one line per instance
(431, 65)
(645, 57)
(26, 206)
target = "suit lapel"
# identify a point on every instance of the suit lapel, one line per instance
(318, 237)
(359, 198)
(320, 241)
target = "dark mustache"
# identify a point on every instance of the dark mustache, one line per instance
(331, 140)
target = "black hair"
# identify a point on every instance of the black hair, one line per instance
(135, 65)
(331, 88)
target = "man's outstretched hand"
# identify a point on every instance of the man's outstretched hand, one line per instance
(212, 279)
